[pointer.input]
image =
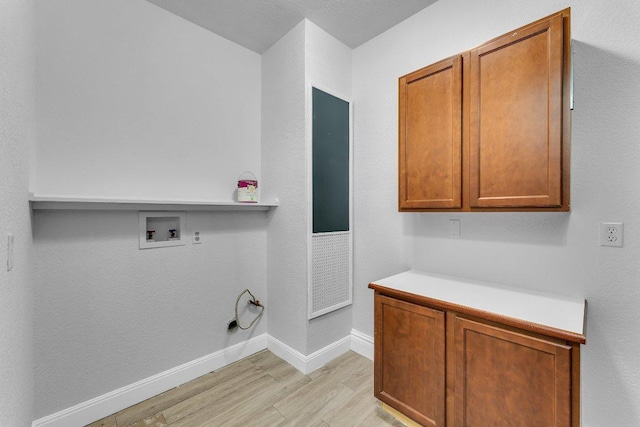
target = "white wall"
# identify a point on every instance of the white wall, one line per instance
(304, 56)
(284, 168)
(545, 251)
(17, 120)
(327, 62)
(130, 97)
(136, 102)
(109, 314)
(328, 67)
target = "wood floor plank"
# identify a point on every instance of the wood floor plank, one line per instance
(264, 359)
(236, 404)
(256, 400)
(156, 420)
(348, 369)
(305, 423)
(360, 375)
(267, 417)
(109, 421)
(218, 396)
(284, 373)
(231, 371)
(380, 418)
(265, 391)
(165, 400)
(307, 397)
(332, 368)
(374, 421)
(353, 410)
(314, 412)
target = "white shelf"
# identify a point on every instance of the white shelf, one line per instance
(82, 203)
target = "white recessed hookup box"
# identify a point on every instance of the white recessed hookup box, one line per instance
(161, 229)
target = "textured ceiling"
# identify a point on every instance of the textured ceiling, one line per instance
(258, 24)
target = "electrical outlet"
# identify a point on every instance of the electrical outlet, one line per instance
(196, 238)
(611, 234)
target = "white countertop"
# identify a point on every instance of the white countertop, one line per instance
(555, 311)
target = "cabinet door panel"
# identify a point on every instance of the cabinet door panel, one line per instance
(516, 107)
(430, 137)
(409, 359)
(504, 379)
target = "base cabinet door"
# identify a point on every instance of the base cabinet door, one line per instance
(410, 359)
(505, 379)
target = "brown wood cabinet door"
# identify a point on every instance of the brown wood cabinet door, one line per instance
(410, 359)
(430, 136)
(507, 379)
(515, 118)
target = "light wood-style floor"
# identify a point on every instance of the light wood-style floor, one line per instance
(264, 390)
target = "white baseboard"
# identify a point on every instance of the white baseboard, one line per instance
(112, 402)
(92, 410)
(310, 363)
(356, 341)
(362, 344)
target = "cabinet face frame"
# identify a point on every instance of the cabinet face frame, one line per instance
(471, 202)
(429, 153)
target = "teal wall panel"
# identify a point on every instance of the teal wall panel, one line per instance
(330, 163)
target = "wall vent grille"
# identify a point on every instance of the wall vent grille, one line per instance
(331, 272)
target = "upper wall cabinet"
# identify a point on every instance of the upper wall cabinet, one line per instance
(489, 130)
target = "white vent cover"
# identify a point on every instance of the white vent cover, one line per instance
(331, 272)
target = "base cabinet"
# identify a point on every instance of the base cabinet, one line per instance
(443, 367)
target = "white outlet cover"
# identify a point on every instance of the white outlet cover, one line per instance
(612, 234)
(196, 237)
